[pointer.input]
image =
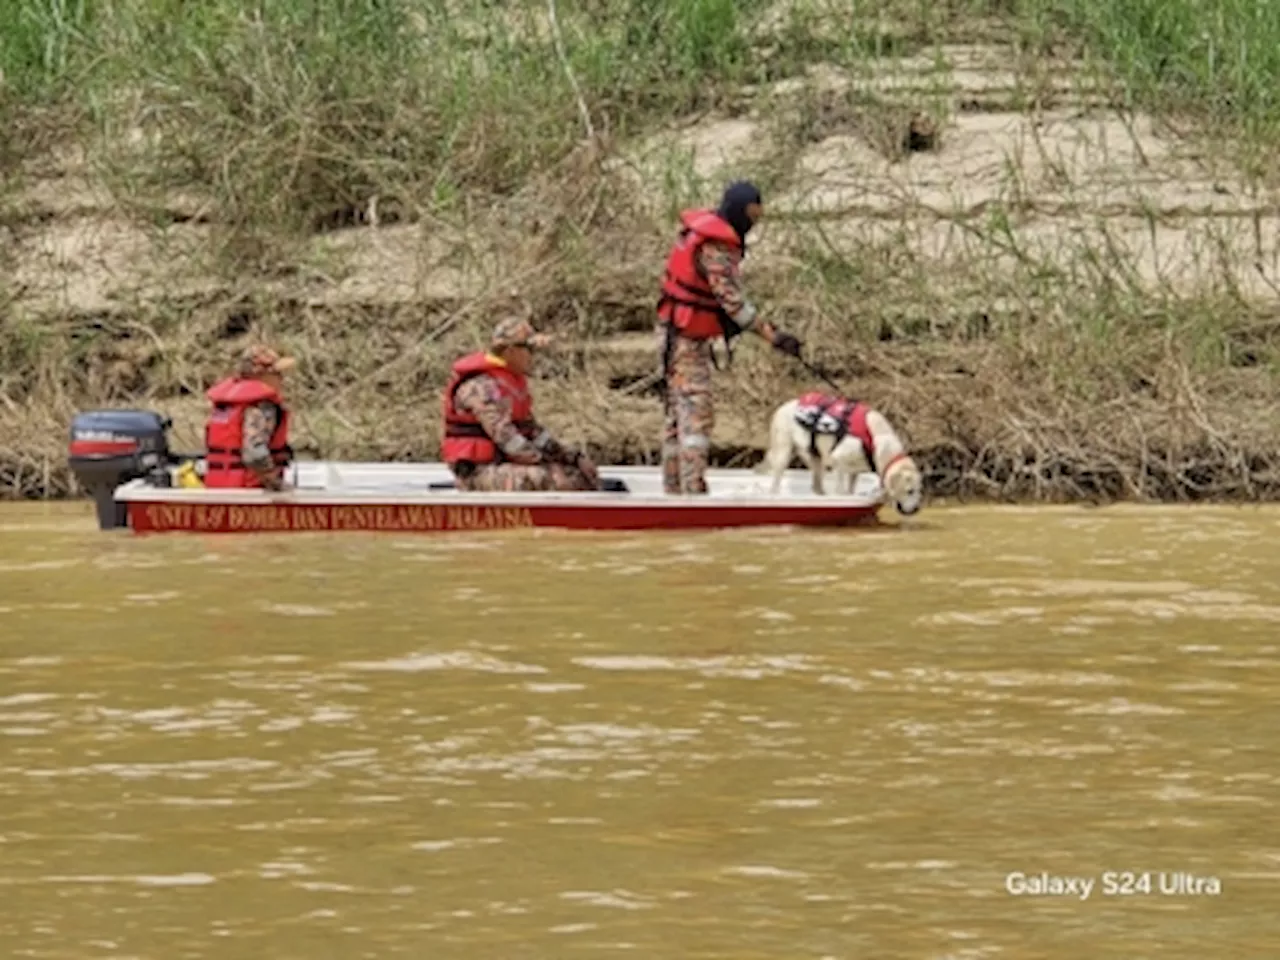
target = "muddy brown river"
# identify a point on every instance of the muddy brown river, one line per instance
(1001, 732)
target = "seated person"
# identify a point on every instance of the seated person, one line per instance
(492, 442)
(247, 433)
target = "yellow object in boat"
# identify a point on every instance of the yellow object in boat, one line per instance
(187, 477)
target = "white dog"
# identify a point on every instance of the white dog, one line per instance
(832, 432)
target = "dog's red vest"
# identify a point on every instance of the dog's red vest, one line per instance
(838, 417)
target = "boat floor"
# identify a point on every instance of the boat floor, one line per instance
(340, 482)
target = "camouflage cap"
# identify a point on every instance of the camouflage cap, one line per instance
(517, 332)
(258, 360)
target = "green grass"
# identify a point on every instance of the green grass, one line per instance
(1220, 58)
(294, 114)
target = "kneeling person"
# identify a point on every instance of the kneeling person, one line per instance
(492, 442)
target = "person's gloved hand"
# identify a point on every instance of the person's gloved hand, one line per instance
(273, 479)
(551, 448)
(580, 460)
(786, 343)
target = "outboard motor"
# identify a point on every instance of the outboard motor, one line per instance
(111, 447)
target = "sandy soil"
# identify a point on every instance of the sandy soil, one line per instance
(1068, 177)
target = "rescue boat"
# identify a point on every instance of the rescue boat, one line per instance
(123, 460)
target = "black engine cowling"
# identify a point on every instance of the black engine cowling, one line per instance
(111, 447)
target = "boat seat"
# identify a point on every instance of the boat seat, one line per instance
(607, 485)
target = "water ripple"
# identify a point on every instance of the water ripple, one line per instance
(749, 743)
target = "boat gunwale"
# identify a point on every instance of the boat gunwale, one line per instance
(139, 491)
(408, 484)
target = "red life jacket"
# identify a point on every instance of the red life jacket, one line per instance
(224, 432)
(687, 302)
(842, 418)
(464, 438)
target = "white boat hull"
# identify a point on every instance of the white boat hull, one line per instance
(418, 497)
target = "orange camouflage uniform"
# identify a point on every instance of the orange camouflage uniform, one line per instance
(690, 411)
(259, 423)
(261, 419)
(555, 467)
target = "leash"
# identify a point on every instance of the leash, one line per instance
(821, 375)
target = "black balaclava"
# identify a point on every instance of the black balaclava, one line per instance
(733, 206)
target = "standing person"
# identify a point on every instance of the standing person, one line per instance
(703, 299)
(492, 441)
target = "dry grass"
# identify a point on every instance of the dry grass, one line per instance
(934, 236)
(893, 130)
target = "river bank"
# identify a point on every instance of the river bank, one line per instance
(1039, 259)
(985, 422)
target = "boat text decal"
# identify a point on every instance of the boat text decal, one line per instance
(391, 518)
